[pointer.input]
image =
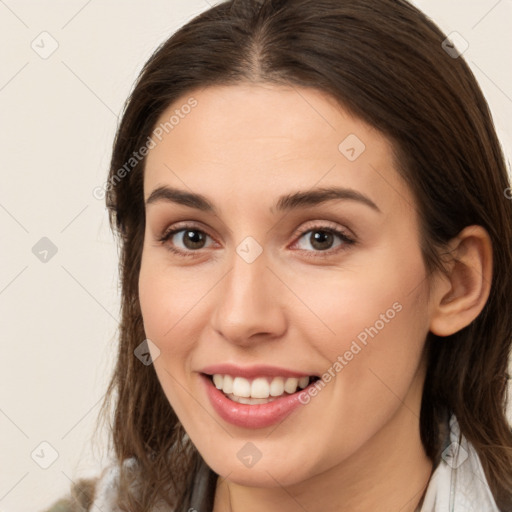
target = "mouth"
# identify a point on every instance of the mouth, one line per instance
(256, 400)
(259, 390)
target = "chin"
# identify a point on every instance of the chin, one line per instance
(264, 477)
(268, 473)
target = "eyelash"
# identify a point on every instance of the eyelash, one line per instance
(347, 241)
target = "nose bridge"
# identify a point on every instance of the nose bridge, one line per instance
(248, 302)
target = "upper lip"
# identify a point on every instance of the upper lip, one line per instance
(251, 372)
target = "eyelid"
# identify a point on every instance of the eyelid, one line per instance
(324, 225)
(180, 226)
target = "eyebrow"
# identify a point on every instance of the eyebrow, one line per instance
(286, 202)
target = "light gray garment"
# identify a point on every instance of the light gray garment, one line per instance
(458, 484)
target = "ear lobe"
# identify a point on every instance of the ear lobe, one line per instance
(459, 297)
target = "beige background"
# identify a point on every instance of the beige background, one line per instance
(58, 117)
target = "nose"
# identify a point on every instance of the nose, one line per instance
(249, 303)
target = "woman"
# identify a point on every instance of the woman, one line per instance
(315, 249)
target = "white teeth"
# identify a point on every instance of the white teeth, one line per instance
(277, 386)
(227, 386)
(218, 380)
(290, 386)
(303, 382)
(241, 387)
(259, 390)
(250, 401)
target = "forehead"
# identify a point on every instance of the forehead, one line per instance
(266, 138)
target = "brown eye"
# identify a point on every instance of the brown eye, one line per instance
(185, 241)
(323, 239)
(193, 239)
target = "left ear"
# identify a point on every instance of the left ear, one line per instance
(459, 297)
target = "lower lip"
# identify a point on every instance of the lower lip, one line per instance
(251, 416)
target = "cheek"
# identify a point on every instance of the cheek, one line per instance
(166, 297)
(378, 321)
(377, 294)
(375, 321)
(384, 331)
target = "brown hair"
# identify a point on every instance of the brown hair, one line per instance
(382, 60)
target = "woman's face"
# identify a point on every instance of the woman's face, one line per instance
(274, 278)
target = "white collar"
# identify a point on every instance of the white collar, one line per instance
(458, 484)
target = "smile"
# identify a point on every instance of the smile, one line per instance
(259, 390)
(267, 401)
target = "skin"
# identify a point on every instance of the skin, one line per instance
(356, 445)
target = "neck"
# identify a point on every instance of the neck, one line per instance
(391, 472)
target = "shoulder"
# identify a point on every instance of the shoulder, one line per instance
(107, 488)
(101, 493)
(80, 498)
(458, 483)
(89, 494)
